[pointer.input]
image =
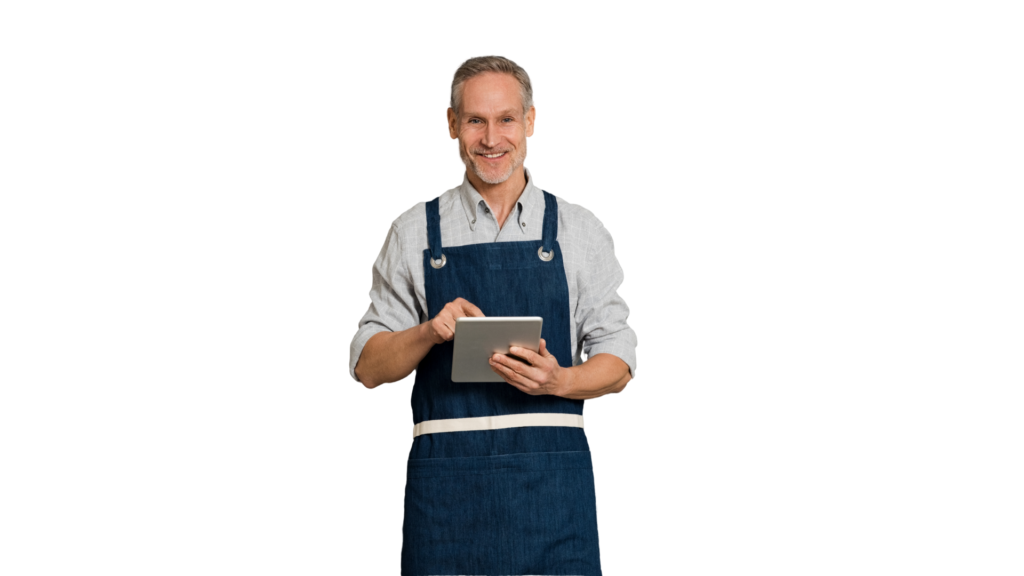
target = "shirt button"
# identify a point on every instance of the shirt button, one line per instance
(524, 224)
(487, 210)
(474, 221)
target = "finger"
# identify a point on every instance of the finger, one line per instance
(521, 388)
(504, 372)
(544, 350)
(511, 364)
(501, 363)
(441, 330)
(470, 309)
(522, 373)
(449, 326)
(526, 354)
(511, 378)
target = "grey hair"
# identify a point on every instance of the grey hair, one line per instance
(482, 64)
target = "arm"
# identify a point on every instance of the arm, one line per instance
(599, 375)
(606, 338)
(601, 314)
(391, 356)
(391, 319)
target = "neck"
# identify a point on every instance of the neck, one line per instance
(500, 197)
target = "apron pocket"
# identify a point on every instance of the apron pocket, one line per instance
(531, 513)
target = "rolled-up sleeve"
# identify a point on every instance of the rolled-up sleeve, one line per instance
(601, 313)
(393, 304)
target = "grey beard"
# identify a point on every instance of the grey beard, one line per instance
(470, 164)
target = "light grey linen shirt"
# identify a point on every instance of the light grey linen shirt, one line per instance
(398, 299)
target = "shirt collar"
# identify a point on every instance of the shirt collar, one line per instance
(525, 217)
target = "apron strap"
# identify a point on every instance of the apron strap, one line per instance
(550, 221)
(434, 227)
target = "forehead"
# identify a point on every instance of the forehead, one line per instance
(491, 92)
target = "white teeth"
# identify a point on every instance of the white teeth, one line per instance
(492, 155)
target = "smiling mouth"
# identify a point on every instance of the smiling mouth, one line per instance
(493, 156)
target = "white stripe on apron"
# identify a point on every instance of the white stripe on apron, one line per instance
(497, 422)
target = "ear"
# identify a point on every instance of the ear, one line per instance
(452, 119)
(531, 115)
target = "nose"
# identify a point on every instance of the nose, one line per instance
(491, 138)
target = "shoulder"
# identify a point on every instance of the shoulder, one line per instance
(576, 212)
(577, 221)
(411, 226)
(415, 216)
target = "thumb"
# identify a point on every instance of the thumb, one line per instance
(544, 348)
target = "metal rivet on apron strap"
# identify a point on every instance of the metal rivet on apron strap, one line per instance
(545, 256)
(438, 263)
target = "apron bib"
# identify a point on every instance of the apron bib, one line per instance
(510, 501)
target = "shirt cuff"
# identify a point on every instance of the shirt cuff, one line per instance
(356, 349)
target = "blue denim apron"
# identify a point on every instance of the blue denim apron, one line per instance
(508, 501)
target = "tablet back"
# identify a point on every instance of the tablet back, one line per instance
(476, 339)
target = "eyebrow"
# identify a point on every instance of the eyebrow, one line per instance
(510, 112)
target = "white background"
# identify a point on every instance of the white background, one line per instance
(817, 206)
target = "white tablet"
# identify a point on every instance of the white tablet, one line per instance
(476, 339)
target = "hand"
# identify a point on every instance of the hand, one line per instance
(541, 373)
(442, 327)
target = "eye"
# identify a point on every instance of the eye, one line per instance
(474, 120)
(509, 120)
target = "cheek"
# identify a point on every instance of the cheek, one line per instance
(515, 136)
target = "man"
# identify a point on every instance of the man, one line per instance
(499, 476)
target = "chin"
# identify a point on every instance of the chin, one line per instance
(495, 176)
